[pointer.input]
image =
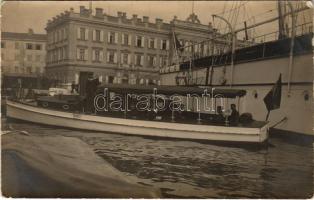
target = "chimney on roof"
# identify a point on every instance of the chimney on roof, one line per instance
(124, 15)
(134, 19)
(145, 19)
(99, 12)
(158, 21)
(30, 31)
(72, 10)
(119, 14)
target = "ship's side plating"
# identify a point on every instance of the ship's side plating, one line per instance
(257, 76)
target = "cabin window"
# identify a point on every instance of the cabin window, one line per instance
(2, 45)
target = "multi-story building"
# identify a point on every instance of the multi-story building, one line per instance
(23, 53)
(121, 49)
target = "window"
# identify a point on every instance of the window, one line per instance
(61, 35)
(110, 79)
(139, 41)
(125, 58)
(125, 39)
(82, 33)
(152, 44)
(164, 44)
(16, 69)
(97, 55)
(82, 54)
(139, 60)
(97, 32)
(2, 44)
(61, 54)
(16, 45)
(17, 56)
(29, 70)
(111, 57)
(163, 62)
(151, 61)
(112, 38)
(29, 57)
(65, 52)
(29, 46)
(38, 46)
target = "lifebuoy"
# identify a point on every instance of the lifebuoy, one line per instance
(45, 104)
(66, 107)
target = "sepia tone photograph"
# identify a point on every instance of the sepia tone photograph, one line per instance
(157, 99)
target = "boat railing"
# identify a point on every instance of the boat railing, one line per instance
(301, 29)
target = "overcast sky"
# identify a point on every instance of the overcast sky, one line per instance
(19, 16)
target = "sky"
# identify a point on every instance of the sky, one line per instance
(19, 16)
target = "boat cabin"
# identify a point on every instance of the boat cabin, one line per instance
(167, 103)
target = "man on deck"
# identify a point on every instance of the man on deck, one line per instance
(234, 117)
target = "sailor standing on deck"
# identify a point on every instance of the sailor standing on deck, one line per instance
(234, 117)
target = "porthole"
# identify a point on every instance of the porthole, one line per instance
(45, 104)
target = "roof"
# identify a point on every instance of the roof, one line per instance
(171, 90)
(23, 36)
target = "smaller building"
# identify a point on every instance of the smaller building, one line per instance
(23, 53)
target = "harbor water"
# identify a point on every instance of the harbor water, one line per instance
(193, 169)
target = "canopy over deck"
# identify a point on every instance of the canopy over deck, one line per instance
(171, 90)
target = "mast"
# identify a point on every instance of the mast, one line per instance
(281, 22)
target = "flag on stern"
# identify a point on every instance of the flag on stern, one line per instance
(273, 98)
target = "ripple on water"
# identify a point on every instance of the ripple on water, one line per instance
(190, 169)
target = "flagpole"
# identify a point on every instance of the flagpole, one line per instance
(175, 46)
(267, 115)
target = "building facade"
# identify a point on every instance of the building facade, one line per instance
(119, 49)
(23, 54)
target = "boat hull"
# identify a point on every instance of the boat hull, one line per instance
(135, 127)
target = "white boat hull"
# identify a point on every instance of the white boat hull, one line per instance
(135, 127)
